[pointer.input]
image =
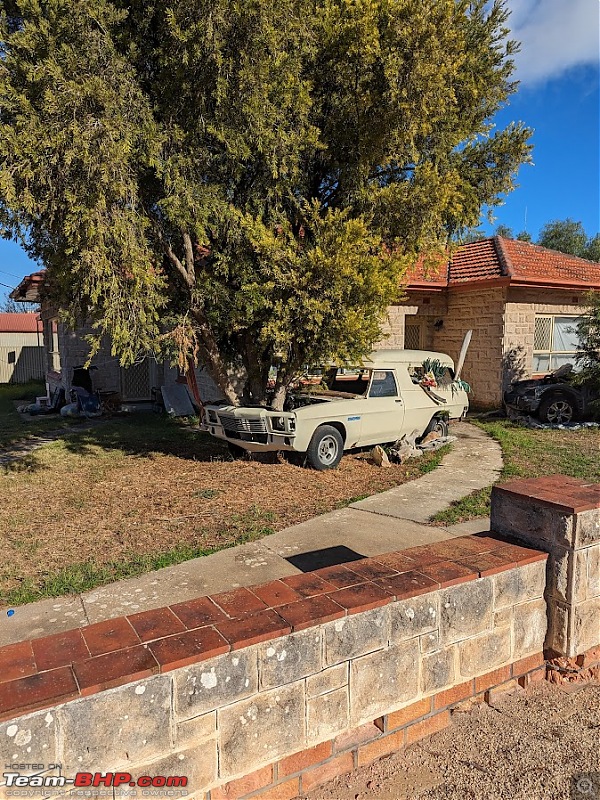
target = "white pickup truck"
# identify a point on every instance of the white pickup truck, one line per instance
(389, 396)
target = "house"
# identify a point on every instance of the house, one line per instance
(521, 300)
(65, 350)
(21, 350)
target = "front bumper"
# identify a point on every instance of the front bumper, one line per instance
(253, 441)
(519, 402)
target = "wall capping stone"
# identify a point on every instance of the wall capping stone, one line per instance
(39, 673)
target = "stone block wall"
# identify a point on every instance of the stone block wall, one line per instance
(483, 312)
(519, 325)
(561, 516)
(268, 691)
(422, 307)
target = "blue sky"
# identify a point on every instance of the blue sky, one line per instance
(559, 97)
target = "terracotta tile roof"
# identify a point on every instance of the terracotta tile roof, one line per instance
(20, 323)
(433, 272)
(476, 261)
(511, 261)
(29, 288)
(535, 264)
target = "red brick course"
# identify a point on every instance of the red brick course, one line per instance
(243, 786)
(304, 759)
(121, 650)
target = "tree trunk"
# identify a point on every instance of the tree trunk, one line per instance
(211, 356)
(256, 370)
(279, 397)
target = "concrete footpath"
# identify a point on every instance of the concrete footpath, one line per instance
(393, 520)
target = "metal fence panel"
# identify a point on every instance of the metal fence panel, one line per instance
(21, 364)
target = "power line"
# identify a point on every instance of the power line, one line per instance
(10, 274)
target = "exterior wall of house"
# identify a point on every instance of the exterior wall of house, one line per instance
(481, 311)
(522, 305)
(420, 307)
(131, 383)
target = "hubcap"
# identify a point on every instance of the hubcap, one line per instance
(328, 450)
(560, 412)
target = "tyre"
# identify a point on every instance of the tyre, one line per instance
(326, 448)
(557, 409)
(437, 425)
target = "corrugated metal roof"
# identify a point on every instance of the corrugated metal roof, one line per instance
(20, 323)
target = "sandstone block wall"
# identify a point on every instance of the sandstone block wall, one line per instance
(519, 325)
(483, 312)
(290, 686)
(561, 516)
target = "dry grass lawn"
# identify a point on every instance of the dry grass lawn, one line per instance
(136, 494)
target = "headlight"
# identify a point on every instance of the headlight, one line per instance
(212, 417)
(278, 424)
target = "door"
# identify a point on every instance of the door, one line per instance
(383, 410)
(136, 381)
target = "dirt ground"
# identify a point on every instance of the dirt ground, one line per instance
(538, 744)
(126, 490)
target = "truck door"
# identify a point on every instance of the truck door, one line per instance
(383, 410)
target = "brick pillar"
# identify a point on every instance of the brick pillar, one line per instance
(561, 516)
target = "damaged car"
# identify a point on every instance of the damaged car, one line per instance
(557, 398)
(392, 394)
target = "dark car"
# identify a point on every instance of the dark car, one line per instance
(556, 398)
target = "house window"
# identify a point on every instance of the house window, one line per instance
(412, 335)
(555, 342)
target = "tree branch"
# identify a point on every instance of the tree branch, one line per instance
(189, 259)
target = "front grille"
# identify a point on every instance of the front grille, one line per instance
(241, 425)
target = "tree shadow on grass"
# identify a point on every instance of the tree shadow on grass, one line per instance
(144, 435)
(140, 435)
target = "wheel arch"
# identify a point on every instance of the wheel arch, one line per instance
(558, 392)
(339, 426)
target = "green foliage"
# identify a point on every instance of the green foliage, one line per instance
(588, 350)
(244, 179)
(568, 236)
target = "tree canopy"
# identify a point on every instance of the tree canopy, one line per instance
(247, 180)
(568, 236)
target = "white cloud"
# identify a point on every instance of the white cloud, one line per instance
(555, 35)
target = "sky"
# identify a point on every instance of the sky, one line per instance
(559, 97)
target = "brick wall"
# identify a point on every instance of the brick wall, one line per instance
(275, 689)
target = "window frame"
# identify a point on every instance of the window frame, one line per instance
(392, 372)
(551, 352)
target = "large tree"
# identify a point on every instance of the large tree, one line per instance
(569, 236)
(247, 179)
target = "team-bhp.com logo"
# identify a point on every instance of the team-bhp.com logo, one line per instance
(87, 780)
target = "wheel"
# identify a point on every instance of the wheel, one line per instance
(557, 409)
(237, 452)
(437, 425)
(326, 448)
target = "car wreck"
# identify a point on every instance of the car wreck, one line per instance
(393, 393)
(556, 398)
